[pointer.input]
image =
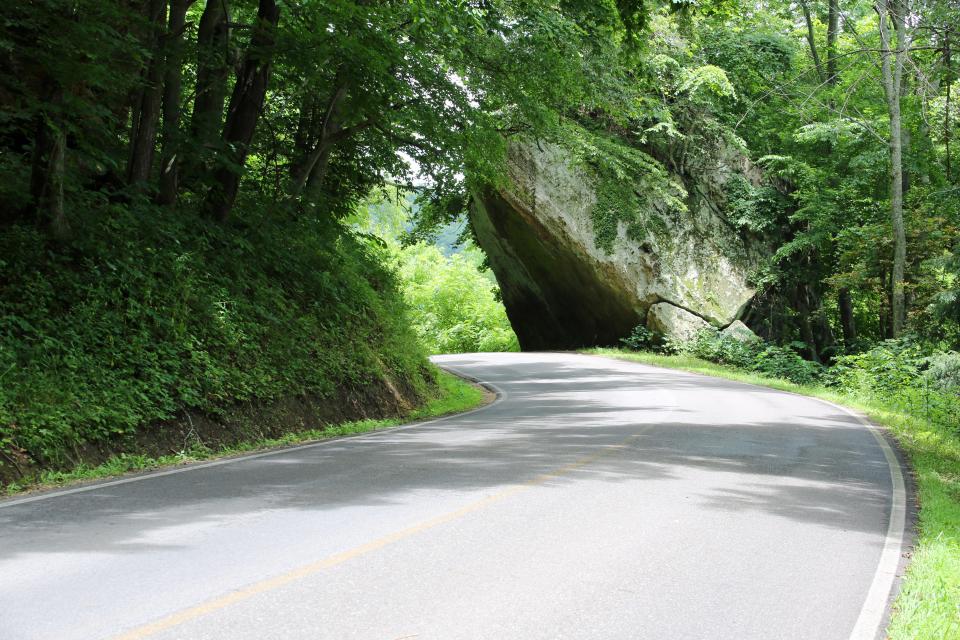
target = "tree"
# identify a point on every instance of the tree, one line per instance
(213, 71)
(895, 13)
(172, 87)
(146, 109)
(246, 104)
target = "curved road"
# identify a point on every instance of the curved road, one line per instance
(594, 499)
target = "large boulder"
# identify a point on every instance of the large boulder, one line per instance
(739, 331)
(679, 324)
(567, 281)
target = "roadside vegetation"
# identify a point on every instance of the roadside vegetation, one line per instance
(145, 317)
(897, 384)
(452, 395)
(452, 298)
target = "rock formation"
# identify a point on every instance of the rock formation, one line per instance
(675, 269)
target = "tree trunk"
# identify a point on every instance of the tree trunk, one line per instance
(143, 137)
(776, 322)
(213, 70)
(806, 330)
(47, 176)
(883, 313)
(315, 159)
(246, 104)
(848, 323)
(833, 25)
(947, 124)
(806, 326)
(303, 138)
(812, 41)
(39, 164)
(47, 164)
(319, 173)
(172, 83)
(824, 339)
(892, 73)
(52, 203)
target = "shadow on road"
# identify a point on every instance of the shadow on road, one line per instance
(755, 449)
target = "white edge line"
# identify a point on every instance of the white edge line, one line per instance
(872, 613)
(869, 624)
(148, 475)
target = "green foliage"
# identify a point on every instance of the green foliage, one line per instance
(631, 188)
(754, 355)
(886, 369)
(706, 83)
(786, 364)
(453, 305)
(946, 302)
(453, 300)
(827, 142)
(716, 347)
(145, 313)
(640, 339)
(757, 208)
(897, 374)
(943, 371)
(894, 371)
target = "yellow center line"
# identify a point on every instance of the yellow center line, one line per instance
(222, 602)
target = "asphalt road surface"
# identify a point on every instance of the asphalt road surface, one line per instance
(593, 499)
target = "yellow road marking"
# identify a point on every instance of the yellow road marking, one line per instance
(269, 584)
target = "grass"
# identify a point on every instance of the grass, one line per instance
(454, 395)
(928, 606)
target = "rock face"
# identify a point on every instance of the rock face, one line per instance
(674, 269)
(741, 332)
(679, 324)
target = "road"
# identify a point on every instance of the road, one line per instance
(594, 499)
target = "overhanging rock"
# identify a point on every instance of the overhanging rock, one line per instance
(563, 290)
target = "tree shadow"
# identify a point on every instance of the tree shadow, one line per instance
(765, 451)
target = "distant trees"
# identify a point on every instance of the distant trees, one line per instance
(453, 300)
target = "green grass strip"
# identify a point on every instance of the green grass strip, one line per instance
(928, 606)
(455, 395)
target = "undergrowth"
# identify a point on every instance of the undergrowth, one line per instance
(452, 395)
(146, 312)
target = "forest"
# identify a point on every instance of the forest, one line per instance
(220, 212)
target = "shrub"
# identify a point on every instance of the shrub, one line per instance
(753, 355)
(943, 371)
(714, 346)
(898, 375)
(781, 362)
(885, 369)
(640, 339)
